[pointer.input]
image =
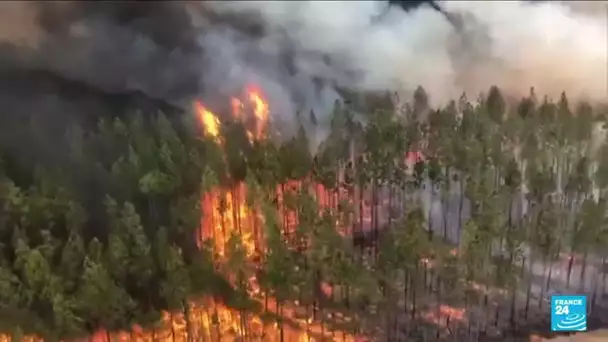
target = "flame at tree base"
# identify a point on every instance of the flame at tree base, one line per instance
(209, 320)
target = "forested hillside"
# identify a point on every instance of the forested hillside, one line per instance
(213, 227)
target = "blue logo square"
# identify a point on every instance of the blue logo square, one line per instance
(568, 313)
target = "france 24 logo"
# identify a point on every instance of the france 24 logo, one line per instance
(568, 313)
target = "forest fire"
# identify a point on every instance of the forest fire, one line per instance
(224, 212)
(226, 215)
(425, 213)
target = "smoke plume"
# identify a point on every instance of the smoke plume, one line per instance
(553, 47)
(302, 53)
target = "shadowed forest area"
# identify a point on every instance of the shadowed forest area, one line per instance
(407, 223)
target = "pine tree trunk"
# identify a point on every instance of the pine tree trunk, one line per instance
(595, 283)
(172, 327)
(243, 321)
(438, 306)
(445, 203)
(186, 312)
(315, 294)
(424, 277)
(212, 214)
(414, 296)
(603, 275)
(307, 321)
(430, 212)
(406, 281)
(569, 272)
(391, 194)
(486, 315)
(223, 219)
(282, 211)
(559, 249)
(280, 313)
(460, 208)
(375, 217)
(583, 270)
(497, 314)
(361, 208)
(542, 287)
(218, 323)
(512, 309)
(529, 290)
(521, 276)
(387, 318)
(467, 305)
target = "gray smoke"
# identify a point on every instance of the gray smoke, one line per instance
(301, 53)
(73, 62)
(550, 46)
(113, 46)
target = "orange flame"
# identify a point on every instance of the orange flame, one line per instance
(210, 122)
(260, 110)
(256, 104)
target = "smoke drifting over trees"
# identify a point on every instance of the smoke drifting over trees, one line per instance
(300, 52)
(549, 46)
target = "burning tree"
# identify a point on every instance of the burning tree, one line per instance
(207, 229)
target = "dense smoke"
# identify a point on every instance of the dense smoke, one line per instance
(371, 46)
(75, 62)
(301, 53)
(113, 46)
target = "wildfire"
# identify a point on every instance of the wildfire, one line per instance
(226, 215)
